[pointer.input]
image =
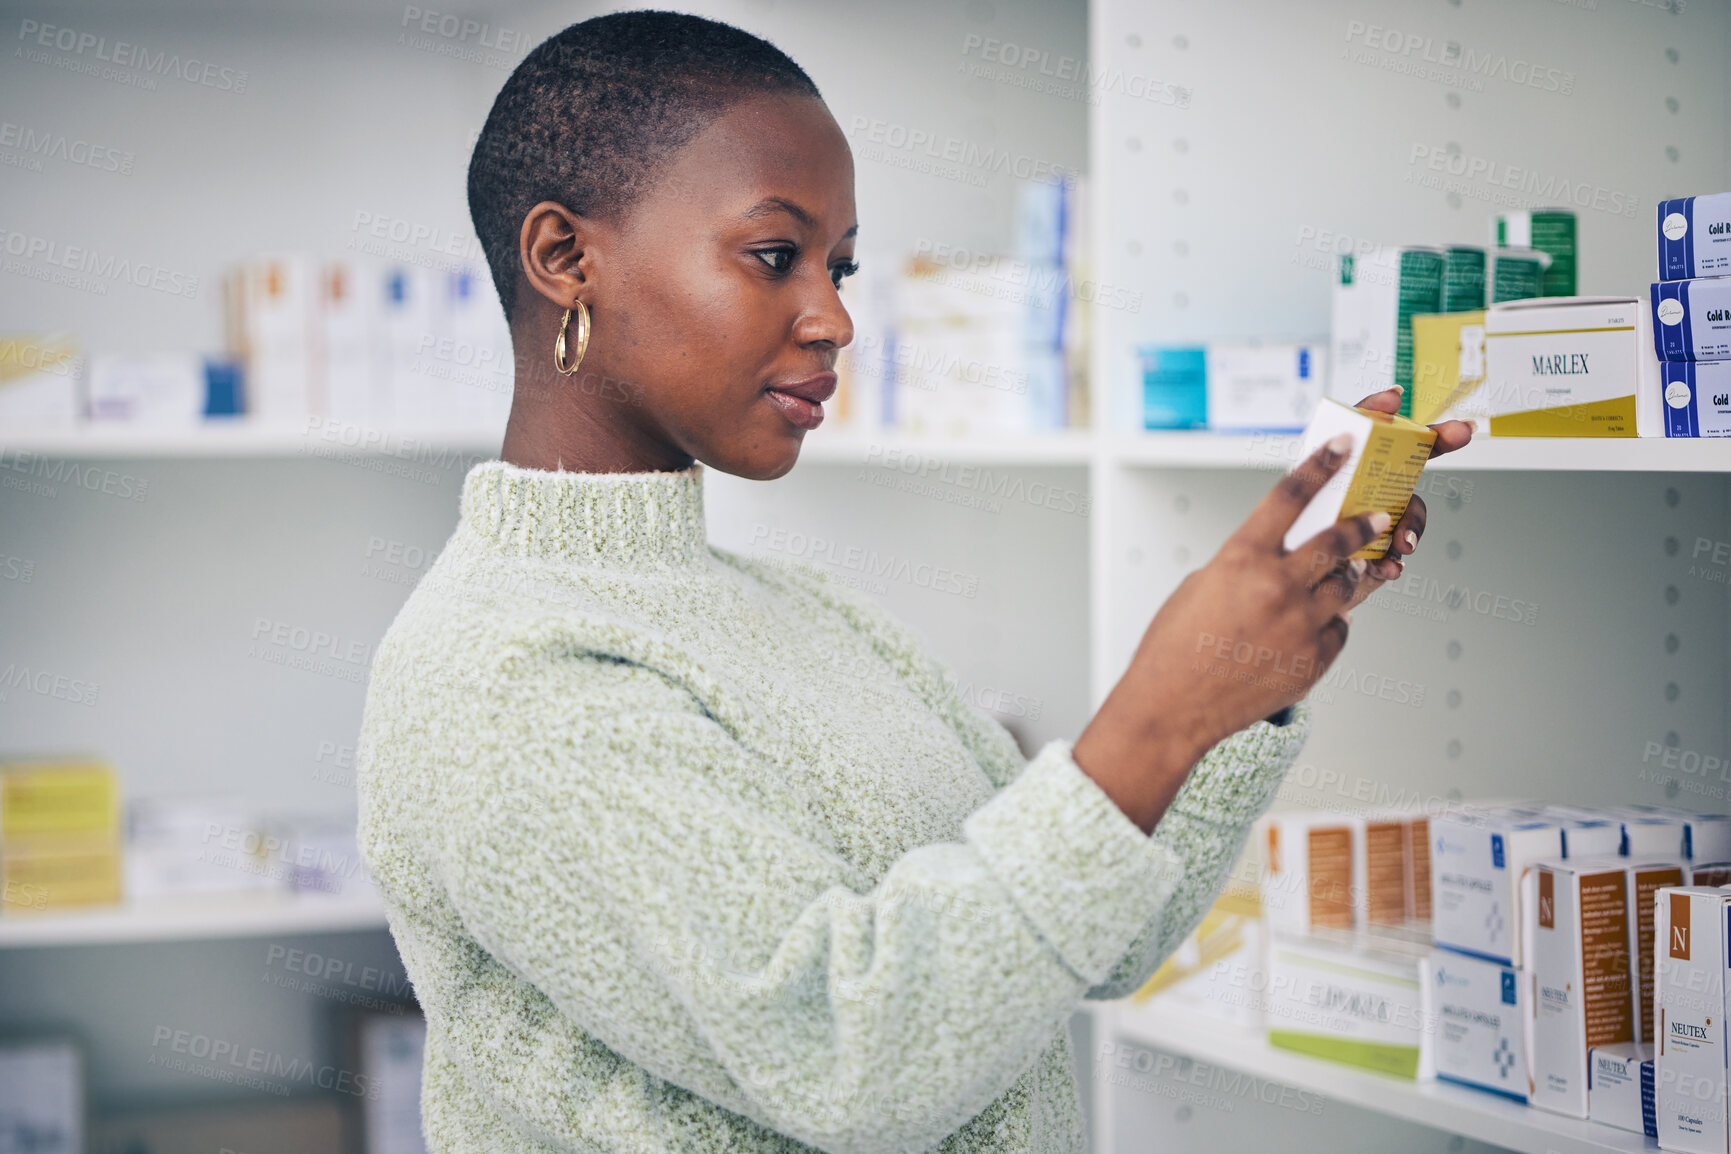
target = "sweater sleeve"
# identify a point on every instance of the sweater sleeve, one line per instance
(622, 862)
(1205, 828)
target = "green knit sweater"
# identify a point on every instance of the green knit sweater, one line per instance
(686, 852)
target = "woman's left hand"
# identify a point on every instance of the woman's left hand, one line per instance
(1450, 435)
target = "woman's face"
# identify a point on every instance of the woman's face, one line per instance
(715, 297)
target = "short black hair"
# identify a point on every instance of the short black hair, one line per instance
(588, 115)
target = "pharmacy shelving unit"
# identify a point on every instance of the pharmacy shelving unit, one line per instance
(1565, 619)
(191, 919)
(1441, 1105)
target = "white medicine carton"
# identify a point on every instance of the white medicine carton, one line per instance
(1476, 864)
(1706, 836)
(1577, 927)
(1620, 1090)
(1689, 1063)
(1310, 876)
(1481, 1010)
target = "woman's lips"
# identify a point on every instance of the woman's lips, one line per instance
(801, 402)
(801, 412)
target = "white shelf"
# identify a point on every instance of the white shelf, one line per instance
(890, 449)
(194, 919)
(242, 438)
(1545, 454)
(1175, 450)
(1440, 1105)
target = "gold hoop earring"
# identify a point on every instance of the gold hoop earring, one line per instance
(582, 338)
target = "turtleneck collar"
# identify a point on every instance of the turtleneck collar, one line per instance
(635, 520)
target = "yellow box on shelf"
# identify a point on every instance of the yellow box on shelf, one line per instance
(1448, 363)
(57, 795)
(1380, 472)
(1571, 367)
(59, 871)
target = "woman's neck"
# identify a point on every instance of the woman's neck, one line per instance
(583, 423)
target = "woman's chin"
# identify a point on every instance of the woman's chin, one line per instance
(764, 461)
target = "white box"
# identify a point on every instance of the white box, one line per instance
(1706, 836)
(1481, 1010)
(39, 381)
(1689, 1066)
(1309, 872)
(351, 298)
(1620, 1092)
(1476, 864)
(1263, 388)
(1586, 832)
(1695, 236)
(1370, 333)
(1651, 833)
(163, 390)
(1697, 398)
(1712, 874)
(1384, 861)
(1351, 1002)
(272, 322)
(1570, 367)
(1577, 926)
(1646, 879)
(1692, 319)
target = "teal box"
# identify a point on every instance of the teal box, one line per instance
(1174, 386)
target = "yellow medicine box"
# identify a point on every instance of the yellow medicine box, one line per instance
(59, 871)
(1448, 362)
(1380, 472)
(48, 796)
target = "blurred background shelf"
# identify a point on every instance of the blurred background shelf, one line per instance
(1442, 1105)
(887, 449)
(195, 919)
(1542, 454)
(242, 438)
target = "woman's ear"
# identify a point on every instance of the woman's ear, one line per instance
(555, 253)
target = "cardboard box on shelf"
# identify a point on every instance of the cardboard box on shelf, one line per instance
(1692, 319)
(1695, 236)
(1570, 367)
(1577, 923)
(1375, 297)
(1309, 881)
(1621, 1089)
(1482, 1015)
(1218, 971)
(1689, 1065)
(1351, 1001)
(39, 381)
(1476, 864)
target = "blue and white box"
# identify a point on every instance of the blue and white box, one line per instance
(1475, 879)
(1272, 388)
(1692, 319)
(1620, 1087)
(1695, 236)
(1174, 386)
(1697, 398)
(1481, 1013)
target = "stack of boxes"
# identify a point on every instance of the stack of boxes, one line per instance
(1346, 938)
(1691, 306)
(60, 843)
(1512, 946)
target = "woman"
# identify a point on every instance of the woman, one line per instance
(688, 853)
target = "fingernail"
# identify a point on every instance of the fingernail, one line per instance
(1345, 615)
(1411, 539)
(1379, 522)
(1357, 568)
(1398, 388)
(1339, 444)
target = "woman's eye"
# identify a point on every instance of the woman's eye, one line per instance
(842, 271)
(778, 259)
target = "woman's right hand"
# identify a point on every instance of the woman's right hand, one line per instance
(1240, 639)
